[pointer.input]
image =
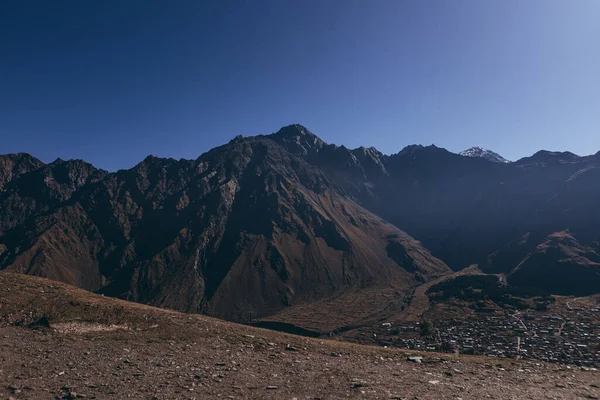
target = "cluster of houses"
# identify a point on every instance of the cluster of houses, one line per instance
(570, 338)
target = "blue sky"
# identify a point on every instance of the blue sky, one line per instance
(113, 81)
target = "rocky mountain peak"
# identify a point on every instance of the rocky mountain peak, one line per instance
(414, 150)
(298, 140)
(480, 152)
(370, 158)
(16, 164)
(551, 157)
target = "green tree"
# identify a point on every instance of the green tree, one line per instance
(426, 328)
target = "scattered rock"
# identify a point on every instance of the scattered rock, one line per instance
(42, 322)
(356, 383)
(415, 359)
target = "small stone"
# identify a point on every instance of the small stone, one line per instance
(415, 359)
(434, 382)
(272, 388)
(356, 383)
(290, 348)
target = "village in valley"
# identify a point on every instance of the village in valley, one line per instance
(567, 333)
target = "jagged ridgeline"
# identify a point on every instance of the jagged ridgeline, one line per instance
(250, 227)
(272, 221)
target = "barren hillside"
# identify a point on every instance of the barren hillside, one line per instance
(61, 342)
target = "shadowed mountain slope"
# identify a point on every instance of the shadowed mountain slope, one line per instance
(561, 265)
(14, 165)
(272, 221)
(245, 230)
(464, 208)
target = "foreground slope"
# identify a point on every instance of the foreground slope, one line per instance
(111, 349)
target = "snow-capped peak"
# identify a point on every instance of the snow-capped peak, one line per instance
(485, 154)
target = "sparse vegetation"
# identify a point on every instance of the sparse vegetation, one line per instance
(167, 353)
(426, 328)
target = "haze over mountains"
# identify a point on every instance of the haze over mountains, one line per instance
(272, 221)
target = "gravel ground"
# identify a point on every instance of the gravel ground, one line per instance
(40, 364)
(81, 345)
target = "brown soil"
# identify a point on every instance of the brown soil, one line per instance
(109, 349)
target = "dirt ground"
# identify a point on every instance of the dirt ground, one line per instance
(103, 348)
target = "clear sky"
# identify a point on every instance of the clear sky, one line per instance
(112, 81)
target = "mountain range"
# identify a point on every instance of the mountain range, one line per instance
(269, 222)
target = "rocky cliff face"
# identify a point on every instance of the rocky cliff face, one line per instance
(470, 210)
(560, 264)
(465, 208)
(246, 229)
(483, 153)
(14, 165)
(267, 222)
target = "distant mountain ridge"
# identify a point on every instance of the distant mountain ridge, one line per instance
(272, 221)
